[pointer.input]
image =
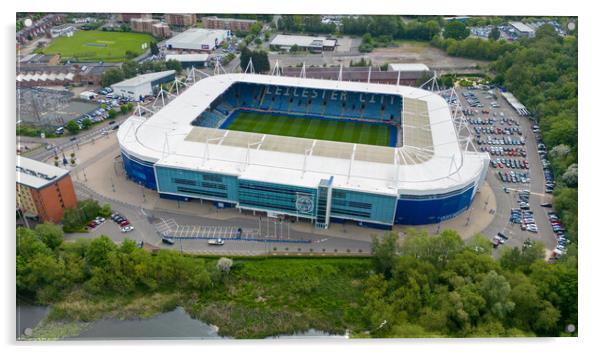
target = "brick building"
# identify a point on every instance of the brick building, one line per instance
(161, 30)
(43, 191)
(232, 24)
(144, 25)
(180, 20)
(126, 17)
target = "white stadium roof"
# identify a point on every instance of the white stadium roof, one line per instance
(431, 160)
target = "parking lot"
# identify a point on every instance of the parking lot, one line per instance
(516, 173)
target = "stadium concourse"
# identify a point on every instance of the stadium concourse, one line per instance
(423, 172)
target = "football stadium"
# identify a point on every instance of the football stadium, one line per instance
(318, 150)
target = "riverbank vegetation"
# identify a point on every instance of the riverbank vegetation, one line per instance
(422, 286)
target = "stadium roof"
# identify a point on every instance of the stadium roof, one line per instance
(283, 40)
(141, 79)
(36, 174)
(431, 160)
(408, 67)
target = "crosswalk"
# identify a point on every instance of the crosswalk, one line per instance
(170, 228)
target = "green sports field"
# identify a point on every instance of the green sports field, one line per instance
(92, 46)
(313, 128)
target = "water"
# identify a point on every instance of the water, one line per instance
(28, 316)
(176, 324)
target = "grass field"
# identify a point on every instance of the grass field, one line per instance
(313, 128)
(98, 45)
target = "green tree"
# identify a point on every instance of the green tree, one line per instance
(174, 65)
(494, 35)
(495, 289)
(154, 48)
(98, 252)
(111, 76)
(129, 68)
(385, 253)
(50, 234)
(456, 30)
(86, 123)
(72, 127)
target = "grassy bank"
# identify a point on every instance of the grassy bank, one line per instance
(273, 296)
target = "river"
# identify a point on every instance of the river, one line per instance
(176, 324)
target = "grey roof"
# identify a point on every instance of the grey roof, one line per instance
(36, 174)
(140, 79)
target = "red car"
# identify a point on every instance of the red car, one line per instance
(124, 223)
(92, 224)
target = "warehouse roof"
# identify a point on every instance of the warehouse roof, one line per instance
(284, 40)
(521, 27)
(36, 174)
(408, 67)
(430, 161)
(141, 79)
(193, 38)
(187, 57)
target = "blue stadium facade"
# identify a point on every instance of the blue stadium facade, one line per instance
(322, 203)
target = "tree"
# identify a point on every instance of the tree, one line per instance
(223, 265)
(495, 289)
(154, 48)
(494, 35)
(384, 253)
(111, 76)
(105, 211)
(570, 176)
(97, 253)
(50, 234)
(174, 65)
(455, 30)
(86, 123)
(112, 113)
(129, 68)
(72, 127)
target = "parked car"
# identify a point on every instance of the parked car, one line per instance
(127, 228)
(216, 242)
(168, 241)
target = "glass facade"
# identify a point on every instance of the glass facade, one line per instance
(362, 206)
(199, 185)
(277, 197)
(321, 204)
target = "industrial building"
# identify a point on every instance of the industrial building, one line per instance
(197, 39)
(311, 44)
(65, 30)
(43, 191)
(408, 67)
(231, 24)
(189, 60)
(522, 29)
(185, 151)
(143, 85)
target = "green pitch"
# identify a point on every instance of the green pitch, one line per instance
(345, 131)
(92, 46)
